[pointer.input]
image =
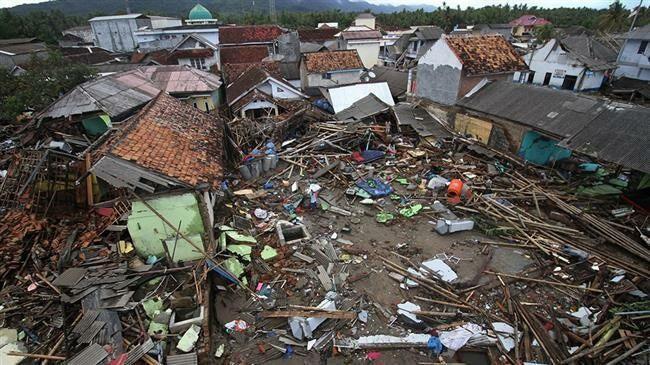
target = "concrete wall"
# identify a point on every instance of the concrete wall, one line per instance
(369, 22)
(282, 92)
(633, 64)
(368, 51)
(167, 39)
(209, 62)
(116, 35)
(157, 23)
(439, 75)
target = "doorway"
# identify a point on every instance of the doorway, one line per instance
(547, 78)
(569, 82)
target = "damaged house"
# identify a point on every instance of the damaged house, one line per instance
(196, 51)
(330, 69)
(543, 126)
(258, 94)
(168, 144)
(198, 88)
(575, 62)
(456, 64)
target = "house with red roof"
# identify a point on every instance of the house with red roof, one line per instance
(526, 23)
(455, 65)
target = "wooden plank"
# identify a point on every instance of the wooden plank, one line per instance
(309, 314)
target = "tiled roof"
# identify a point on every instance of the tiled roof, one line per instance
(361, 34)
(173, 138)
(331, 61)
(232, 71)
(247, 54)
(485, 54)
(317, 35)
(247, 81)
(249, 34)
(529, 20)
(182, 79)
(190, 53)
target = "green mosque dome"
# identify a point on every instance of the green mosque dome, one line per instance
(199, 12)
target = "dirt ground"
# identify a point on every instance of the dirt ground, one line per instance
(414, 238)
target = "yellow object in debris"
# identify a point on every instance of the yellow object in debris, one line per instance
(125, 247)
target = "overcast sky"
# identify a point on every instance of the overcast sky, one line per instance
(453, 3)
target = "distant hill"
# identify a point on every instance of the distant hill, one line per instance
(180, 8)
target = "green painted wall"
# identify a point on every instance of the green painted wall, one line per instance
(147, 230)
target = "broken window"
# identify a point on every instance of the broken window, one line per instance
(642, 47)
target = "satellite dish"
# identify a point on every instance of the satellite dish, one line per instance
(372, 75)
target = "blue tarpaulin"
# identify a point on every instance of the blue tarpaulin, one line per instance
(541, 150)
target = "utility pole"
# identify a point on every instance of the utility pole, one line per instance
(272, 13)
(636, 14)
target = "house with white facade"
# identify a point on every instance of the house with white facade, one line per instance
(578, 63)
(364, 40)
(194, 51)
(258, 94)
(634, 58)
(330, 69)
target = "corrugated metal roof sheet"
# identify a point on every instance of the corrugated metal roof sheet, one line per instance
(396, 79)
(557, 112)
(642, 33)
(113, 94)
(366, 107)
(115, 17)
(361, 34)
(182, 79)
(343, 97)
(590, 51)
(618, 135)
(91, 355)
(418, 119)
(183, 359)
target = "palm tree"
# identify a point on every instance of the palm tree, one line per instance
(615, 17)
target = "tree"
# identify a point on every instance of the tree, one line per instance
(44, 81)
(544, 33)
(615, 17)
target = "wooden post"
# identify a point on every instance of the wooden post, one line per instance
(89, 183)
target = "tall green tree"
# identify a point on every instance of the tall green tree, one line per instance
(45, 80)
(614, 19)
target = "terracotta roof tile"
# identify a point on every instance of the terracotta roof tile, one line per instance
(232, 71)
(330, 61)
(172, 138)
(249, 34)
(190, 53)
(247, 54)
(317, 35)
(485, 54)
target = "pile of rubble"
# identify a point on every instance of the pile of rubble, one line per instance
(330, 242)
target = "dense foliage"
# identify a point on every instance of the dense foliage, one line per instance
(46, 80)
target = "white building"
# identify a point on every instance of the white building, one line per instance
(366, 41)
(116, 33)
(634, 57)
(199, 22)
(365, 20)
(577, 63)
